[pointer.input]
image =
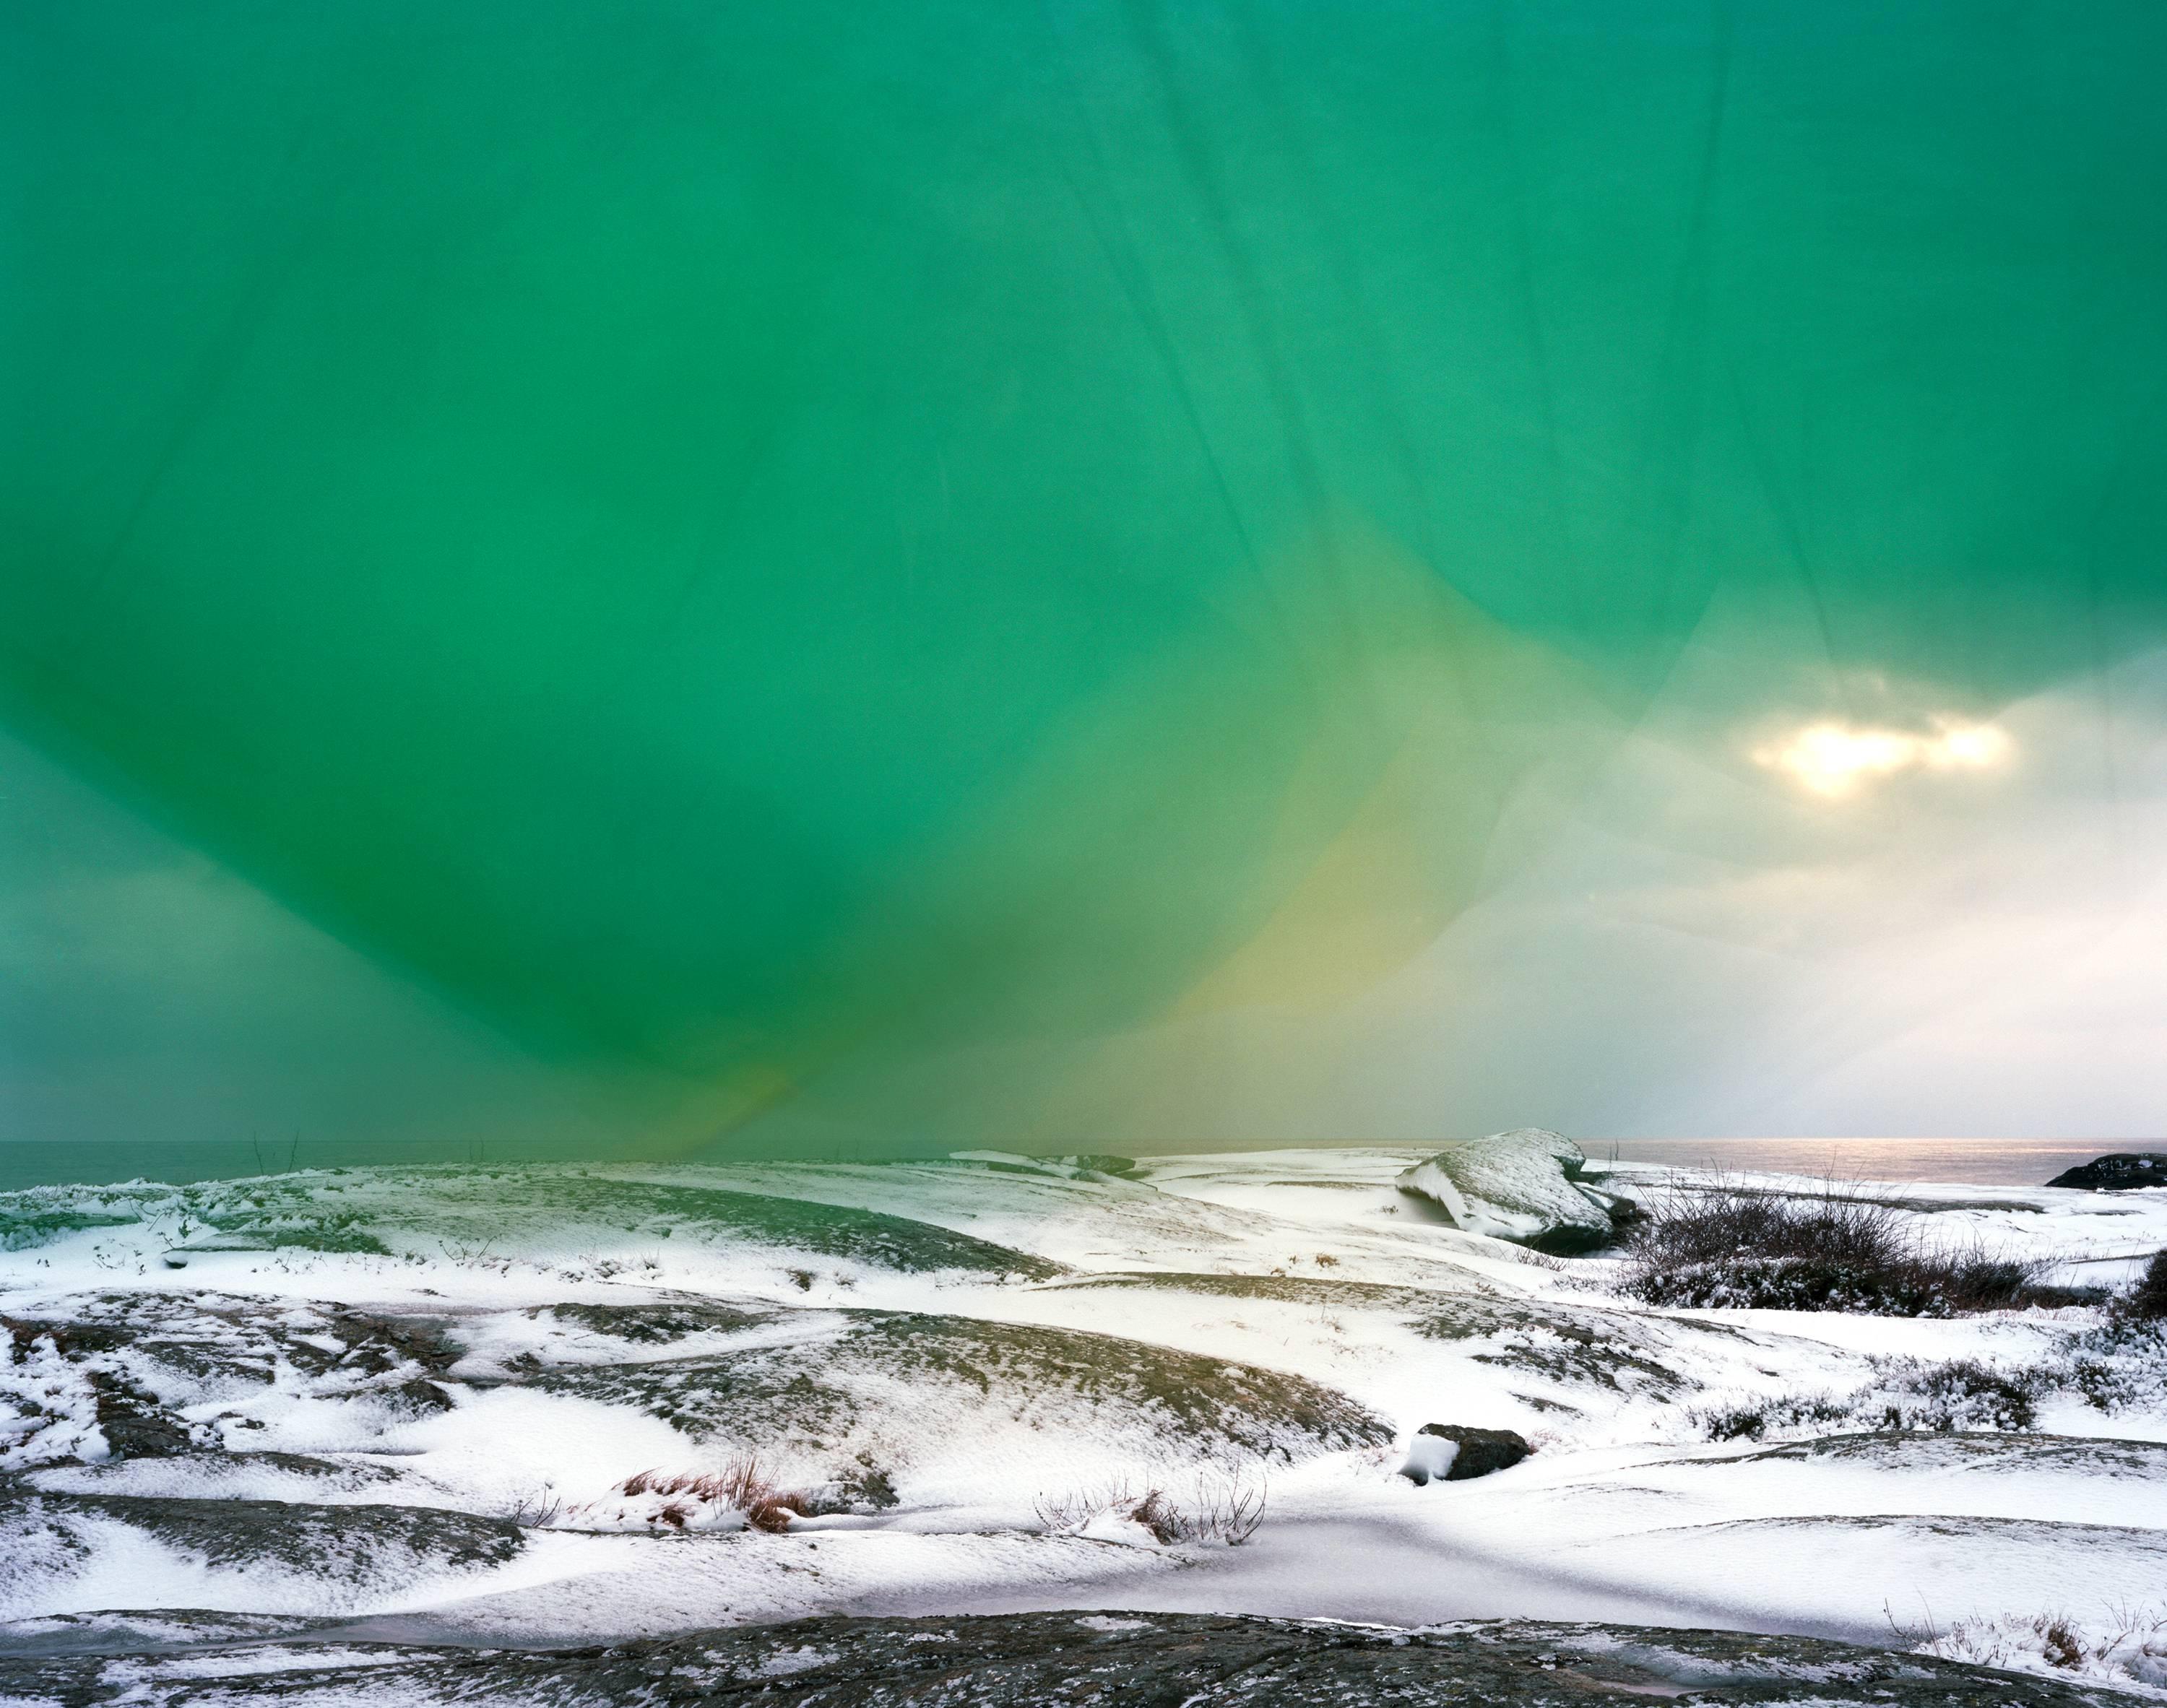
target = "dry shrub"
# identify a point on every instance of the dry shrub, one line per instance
(2149, 1298)
(1725, 1244)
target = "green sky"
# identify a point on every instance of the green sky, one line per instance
(1045, 572)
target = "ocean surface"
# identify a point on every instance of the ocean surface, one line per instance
(1973, 1162)
(1978, 1161)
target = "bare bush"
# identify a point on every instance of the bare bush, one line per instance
(1724, 1245)
(1227, 1509)
(537, 1511)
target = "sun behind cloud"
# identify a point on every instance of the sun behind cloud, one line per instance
(1836, 760)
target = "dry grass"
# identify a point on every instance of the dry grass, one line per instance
(740, 1486)
(1224, 1510)
(2126, 1646)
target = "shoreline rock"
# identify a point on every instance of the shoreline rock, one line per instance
(2119, 1170)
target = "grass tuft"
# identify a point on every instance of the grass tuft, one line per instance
(740, 1486)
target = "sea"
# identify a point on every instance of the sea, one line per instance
(1960, 1161)
(1975, 1161)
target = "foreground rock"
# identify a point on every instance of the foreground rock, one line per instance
(2120, 1172)
(1454, 1452)
(1524, 1185)
(1025, 1660)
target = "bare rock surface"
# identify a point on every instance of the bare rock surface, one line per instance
(1030, 1660)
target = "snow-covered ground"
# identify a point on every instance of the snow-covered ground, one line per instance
(407, 1403)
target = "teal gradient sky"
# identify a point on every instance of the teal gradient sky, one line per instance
(1081, 575)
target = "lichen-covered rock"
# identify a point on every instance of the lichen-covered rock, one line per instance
(1524, 1185)
(1088, 1660)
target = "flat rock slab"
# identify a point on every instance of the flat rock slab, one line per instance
(1077, 1660)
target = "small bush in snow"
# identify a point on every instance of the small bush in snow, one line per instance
(1962, 1393)
(2118, 1364)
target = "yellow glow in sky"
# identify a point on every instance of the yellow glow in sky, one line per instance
(1836, 760)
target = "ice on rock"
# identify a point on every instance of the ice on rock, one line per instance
(1521, 1186)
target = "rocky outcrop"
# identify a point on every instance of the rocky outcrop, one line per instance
(2122, 1171)
(1138, 1660)
(1524, 1185)
(851, 1377)
(284, 1549)
(1453, 1452)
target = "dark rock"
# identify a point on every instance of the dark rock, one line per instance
(1478, 1452)
(2118, 1172)
(135, 1426)
(1137, 1660)
(142, 1360)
